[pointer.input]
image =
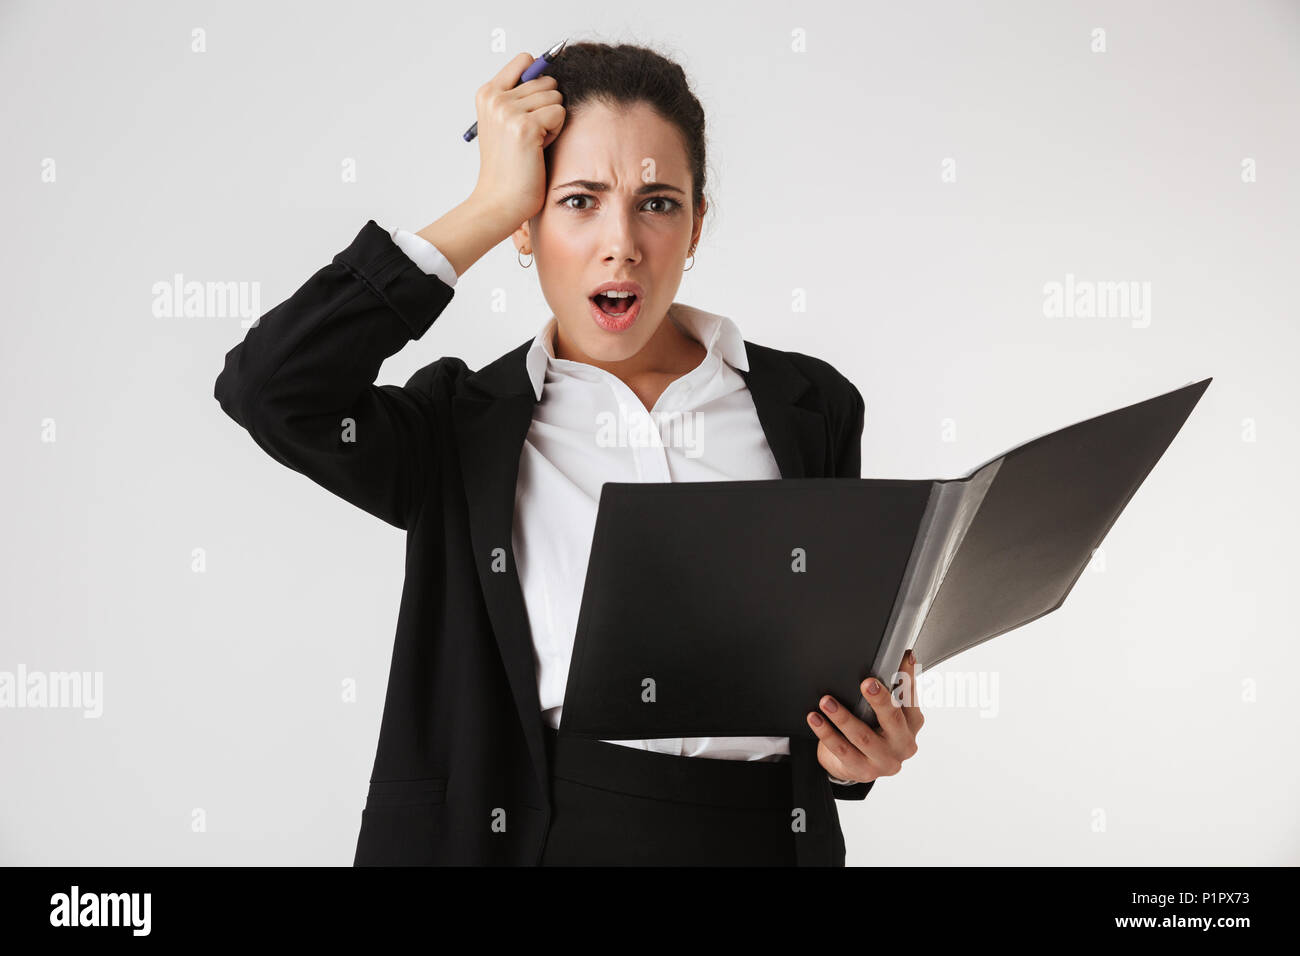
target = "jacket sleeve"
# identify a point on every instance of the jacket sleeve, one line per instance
(848, 464)
(302, 380)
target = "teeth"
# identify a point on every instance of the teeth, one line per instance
(617, 295)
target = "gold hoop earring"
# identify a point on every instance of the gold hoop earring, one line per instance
(521, 261)
(692, 265)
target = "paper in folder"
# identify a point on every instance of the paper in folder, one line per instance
(729, 608)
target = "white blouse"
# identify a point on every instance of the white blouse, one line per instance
(561, 470)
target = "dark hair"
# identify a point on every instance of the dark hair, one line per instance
(624, 75)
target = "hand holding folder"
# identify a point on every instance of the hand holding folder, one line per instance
(729, 608)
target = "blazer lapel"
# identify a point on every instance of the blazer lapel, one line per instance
(491, 420)
(796, 435)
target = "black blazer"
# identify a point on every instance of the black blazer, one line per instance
(461, 775)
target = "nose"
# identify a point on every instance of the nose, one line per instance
(619, 236)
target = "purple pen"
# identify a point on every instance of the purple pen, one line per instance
(535, 69)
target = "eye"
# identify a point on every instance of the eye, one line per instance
(673, 204)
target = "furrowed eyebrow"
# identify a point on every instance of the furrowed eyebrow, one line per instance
(604, 187)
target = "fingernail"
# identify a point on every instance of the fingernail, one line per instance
(816, 719)
(873, 686)
(828, 705)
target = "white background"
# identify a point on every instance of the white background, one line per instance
(1151, 720)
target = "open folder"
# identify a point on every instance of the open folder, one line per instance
(729, 608)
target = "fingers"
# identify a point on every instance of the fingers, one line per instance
(539, 98)
(909, 693)
(850, 749)
(858, 752)
(552, 118)
(508, 76)
(540, 84)
(506, 82)
(888, 711)
(839, 757)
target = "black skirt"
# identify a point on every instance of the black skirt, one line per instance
(617, 806)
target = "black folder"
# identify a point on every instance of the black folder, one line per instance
(728, 608)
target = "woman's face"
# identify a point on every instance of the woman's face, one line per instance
(617, 208)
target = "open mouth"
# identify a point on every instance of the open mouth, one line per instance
(614, 305)
(617, 312)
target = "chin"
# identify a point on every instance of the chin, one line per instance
(609, 347)
(606, 346)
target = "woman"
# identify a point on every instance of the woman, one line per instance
(495, 476)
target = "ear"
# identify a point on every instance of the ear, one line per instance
(699, 224)
(522, 239)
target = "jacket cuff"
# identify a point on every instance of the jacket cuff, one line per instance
(425, 255)
(416, 296)
(857, 791)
